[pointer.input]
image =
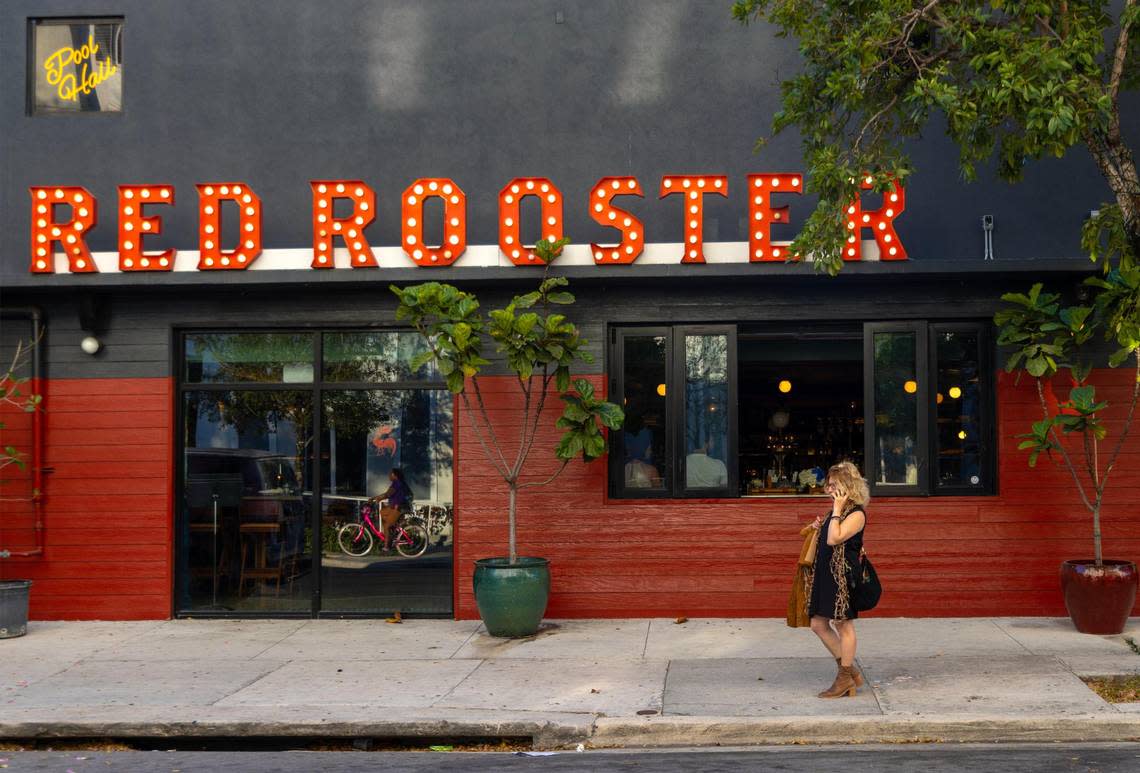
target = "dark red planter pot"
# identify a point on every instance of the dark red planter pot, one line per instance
(1099, 598)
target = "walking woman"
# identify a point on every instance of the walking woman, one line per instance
(829, 600)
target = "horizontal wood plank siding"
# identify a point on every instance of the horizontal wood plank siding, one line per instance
(107, 503)
(937, 556)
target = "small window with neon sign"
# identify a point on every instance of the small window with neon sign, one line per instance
(75, 65)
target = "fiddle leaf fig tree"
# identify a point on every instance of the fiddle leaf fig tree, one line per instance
(1047, 337)
(539, 345)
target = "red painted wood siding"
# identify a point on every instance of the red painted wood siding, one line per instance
(937, 556)
(107, 504)
(108, 507)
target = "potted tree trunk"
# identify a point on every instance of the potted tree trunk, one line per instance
(1048, 337)
(539, 346)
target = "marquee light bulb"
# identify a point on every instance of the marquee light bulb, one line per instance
(910, 387)
(955, 392)
(785, 386)
(661, 389)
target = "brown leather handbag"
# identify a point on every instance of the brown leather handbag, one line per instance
(801, 581)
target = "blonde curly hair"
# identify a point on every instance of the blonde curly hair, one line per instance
(847, 475)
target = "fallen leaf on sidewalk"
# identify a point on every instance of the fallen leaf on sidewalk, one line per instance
(593, 690)
(681, 619)
(395, 618)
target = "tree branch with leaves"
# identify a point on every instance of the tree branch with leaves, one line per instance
(1022, 80)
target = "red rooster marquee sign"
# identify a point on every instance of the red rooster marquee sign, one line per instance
(62, 217)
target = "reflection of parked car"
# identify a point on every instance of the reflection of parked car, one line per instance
(260, 508)
(263, 473)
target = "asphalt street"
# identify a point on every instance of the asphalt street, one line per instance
(932, 758)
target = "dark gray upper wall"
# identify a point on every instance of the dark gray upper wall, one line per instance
(274, 93)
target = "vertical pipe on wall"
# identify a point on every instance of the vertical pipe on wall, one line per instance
(34, 315)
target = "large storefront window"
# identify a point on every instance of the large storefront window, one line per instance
(759, 410)
(801, 406)
(285, 438)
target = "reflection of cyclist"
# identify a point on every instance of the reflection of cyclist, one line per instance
(398, 501)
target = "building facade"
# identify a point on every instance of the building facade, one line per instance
(225, 192)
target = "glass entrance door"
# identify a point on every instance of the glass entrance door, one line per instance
(285, 438)
(394, 445)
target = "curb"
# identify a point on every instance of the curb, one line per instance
(546, 730)
(566, 730)
(745, 731)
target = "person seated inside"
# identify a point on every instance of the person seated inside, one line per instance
(640, 472)
(704, 471)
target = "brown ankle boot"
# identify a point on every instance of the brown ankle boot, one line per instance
(855, 670)
(844, 684)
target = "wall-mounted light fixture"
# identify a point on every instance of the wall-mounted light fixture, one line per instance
(93, 315)
(91, 344)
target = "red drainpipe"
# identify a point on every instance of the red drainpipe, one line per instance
(37, 383)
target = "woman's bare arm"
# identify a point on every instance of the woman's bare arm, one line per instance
(839, 532)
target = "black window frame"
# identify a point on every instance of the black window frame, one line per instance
(926, 361)
(675, 379)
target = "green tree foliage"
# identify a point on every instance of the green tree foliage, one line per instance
(538, 344)
(1021, 80)
(1011, 82)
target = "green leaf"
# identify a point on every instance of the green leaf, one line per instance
(421, 359)
(561, 298)
(528, 300)
(526, 322)
(1036, 366)
(612, 416)
(584, 388)
(455, 382)
(562, 379)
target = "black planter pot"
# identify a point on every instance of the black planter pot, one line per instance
(14, 607)
(1099, 598)
(512, 597)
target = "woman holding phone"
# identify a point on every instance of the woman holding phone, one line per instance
(829, 600)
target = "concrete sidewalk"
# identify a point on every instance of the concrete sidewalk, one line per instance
(597, 682)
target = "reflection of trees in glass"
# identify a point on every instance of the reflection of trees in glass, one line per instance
(706, 358)
(378, 356)
(244, 357)
(255, 416)
(706, 392)
(896, 415)
(410, 429)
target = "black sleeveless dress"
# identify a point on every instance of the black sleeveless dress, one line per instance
(830, 594)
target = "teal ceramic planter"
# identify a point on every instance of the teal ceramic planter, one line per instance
(512, 597)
